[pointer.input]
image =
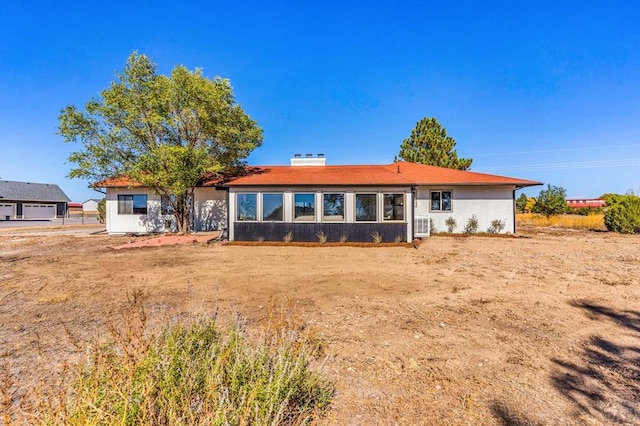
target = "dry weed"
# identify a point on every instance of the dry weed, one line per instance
(594, 222)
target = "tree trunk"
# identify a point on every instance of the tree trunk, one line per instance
(181, 213)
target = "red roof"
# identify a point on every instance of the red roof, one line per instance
(394, 174)
(399, 173)
(582, 202)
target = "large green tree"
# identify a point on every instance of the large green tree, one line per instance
(521, 203)
(551, 201)
(164, 132)
(429, 144)
(622, 213)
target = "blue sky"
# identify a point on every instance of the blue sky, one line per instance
(548, 91)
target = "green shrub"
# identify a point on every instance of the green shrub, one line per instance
(472, 225)
(623, 214)
(551, 201)
(451, 224)
(102, 210)
(194, 373)
(586, 211)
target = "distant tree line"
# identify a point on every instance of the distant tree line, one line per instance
(621, 214)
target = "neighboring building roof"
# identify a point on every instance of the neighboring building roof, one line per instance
(585, 202)
(395, 174)
(28, 191)
(74, 205)
(97, 200)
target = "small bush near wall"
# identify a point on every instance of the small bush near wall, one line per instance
(288, 237)
(472, 225)
(451, 224)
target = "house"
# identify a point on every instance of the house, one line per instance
(91, 206)
(398, 202)
(577, 203)
(74, 209)
(27, 200)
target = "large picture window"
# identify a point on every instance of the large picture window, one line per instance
(333, 207)
(366, 208)
(393, 207)
(132, 204)
(272, 208)
(304, 207)
(247, 207)
(441, 201)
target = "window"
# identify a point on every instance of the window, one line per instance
(272, 208)
(304, 207)
(247, 207)
(441, 201)
(333, 207)
(366, 209)
(393, 207)
(166, 204)
(132, 204)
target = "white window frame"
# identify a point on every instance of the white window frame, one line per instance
(344, 209)
(404, 207)
(440, 191)
(355, 207)
(261, 208)
(315, 208)
(257, 207)
(121, 200)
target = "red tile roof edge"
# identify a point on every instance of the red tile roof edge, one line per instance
(394, 174)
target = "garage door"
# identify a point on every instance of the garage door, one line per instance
(39, 211)
(6, 210)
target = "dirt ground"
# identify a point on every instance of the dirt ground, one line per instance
(536, 330)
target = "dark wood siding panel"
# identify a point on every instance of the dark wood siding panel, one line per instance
(307, 232)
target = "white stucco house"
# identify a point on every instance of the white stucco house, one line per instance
(398, 201)
(91, 205)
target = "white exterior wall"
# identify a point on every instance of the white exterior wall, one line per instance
(488, 203)
(210, 209)
(90, 206)
(209, 215)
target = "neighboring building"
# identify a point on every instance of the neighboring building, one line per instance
(91, 206)
(396, 200)
(26, 200)
(577, 203)
(74, 209)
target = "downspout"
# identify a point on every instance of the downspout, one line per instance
(413, 213)
(228, 217)
(514, 208)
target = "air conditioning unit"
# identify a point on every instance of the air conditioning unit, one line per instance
(422, 226)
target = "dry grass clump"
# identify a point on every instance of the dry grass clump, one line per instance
(593, 222)
(192, 372)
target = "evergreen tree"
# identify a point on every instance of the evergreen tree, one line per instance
(429, 144)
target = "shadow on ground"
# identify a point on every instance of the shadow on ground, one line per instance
(603, 381)
(508, 417)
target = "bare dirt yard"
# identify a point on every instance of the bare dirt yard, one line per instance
(536, 330)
